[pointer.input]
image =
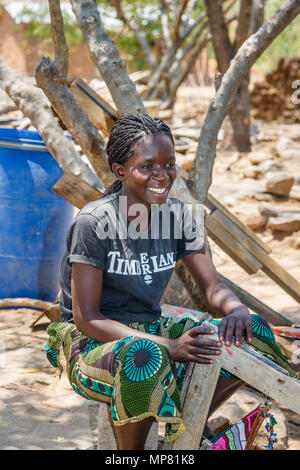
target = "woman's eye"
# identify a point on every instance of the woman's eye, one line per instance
(171, 164)
(147, 166)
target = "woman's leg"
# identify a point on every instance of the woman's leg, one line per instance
(225, 388)
(132, 436)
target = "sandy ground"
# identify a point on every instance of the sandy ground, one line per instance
(39, 411)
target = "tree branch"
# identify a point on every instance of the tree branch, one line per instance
(257, 15)
(242, 32)
(178, 18)
(165, 26)
(34, 105)
(218, 28)
(250, 51)
(61, 60)
(51, 78)
(106, 57)
(139, 34)
(74, 118)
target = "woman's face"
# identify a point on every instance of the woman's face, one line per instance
(148, 175)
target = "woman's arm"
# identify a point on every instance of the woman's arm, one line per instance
(86, 287)
(220, 297)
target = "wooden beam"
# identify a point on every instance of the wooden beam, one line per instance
(231, 246)
(268, 265)
(256, 305)
(262, 374)
(200, 387)
(212, 203)
(99, 111)
(75, 191)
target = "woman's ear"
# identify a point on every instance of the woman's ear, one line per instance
(119, 171)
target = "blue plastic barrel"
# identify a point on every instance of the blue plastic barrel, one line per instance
(33, 220)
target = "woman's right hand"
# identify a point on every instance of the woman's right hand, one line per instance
(193, 345)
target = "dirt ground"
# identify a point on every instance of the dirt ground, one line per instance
(39, 411)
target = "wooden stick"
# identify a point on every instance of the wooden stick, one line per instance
(255, 370)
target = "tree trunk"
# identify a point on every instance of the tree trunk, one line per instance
(224, 51)
(249, 52)
(240, 117)
(34, 105)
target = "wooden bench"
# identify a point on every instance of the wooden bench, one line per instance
(198, 389)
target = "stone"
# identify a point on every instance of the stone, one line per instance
(267, 210)
(283, 144)
(287, 223)
(258, 157)
(290, 154)
(295, 242)
(279, 183)
(251, 172)
(256, 221)
(266, 166)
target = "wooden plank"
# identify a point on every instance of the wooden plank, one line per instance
(197, 403)
(99, 111)
(74, 190)
(273, 269)
(276, 272)
(260, 373)
(232, 246)
(256, 305)
(198, 388)
(212, 203)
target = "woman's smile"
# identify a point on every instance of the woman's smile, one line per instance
(148, 175)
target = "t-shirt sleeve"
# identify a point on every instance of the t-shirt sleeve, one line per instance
(192, 235)
(86, 246)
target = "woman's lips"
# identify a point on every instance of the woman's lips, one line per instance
(158, 190)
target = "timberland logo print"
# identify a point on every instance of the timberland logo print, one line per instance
(145, 266)
(182, 224)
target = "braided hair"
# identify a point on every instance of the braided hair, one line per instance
(124, 134)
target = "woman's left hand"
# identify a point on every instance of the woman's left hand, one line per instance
(233, 325)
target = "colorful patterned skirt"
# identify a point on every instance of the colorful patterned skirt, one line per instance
(135, 375)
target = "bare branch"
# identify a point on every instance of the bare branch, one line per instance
(218, 28)
(178, 18)
(181, 75)
(34, 105)
(257, 15)
(74, 118)
(139, 34)
(189, 30)
(165, 26)
(59, 41)
(242, 32)
(250, 51)
(106, 57)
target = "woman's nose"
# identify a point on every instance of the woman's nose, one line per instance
(160, 173)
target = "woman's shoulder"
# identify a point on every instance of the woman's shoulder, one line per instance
(171, 201)
(100, 208)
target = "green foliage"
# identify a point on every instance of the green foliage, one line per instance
(287, 44)
(39, 28)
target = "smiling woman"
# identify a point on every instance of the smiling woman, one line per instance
(118, 346)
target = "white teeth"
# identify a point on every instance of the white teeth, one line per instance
(158, 190)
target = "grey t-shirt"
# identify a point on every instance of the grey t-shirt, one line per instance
(136, 271)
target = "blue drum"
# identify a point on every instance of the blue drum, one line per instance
(33, 220)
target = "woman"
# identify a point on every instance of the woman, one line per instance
(116, 267)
